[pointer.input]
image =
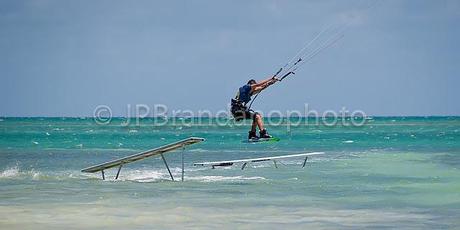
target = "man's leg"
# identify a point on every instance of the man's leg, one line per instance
(258, 120)
(254, 125)
(262, 131)
(252, 133)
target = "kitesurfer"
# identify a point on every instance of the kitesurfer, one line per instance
(240, 111)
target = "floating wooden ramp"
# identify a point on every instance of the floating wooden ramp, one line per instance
(140, 156)
(214, 164)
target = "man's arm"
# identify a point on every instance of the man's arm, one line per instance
(256, 88)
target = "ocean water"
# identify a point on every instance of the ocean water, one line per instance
(393, 172)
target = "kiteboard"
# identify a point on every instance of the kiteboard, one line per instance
(264, 140)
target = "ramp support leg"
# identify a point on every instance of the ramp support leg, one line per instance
(304, 162)
(167, 167)
(118, 173)
(244, 165)
(182, 156)
(103, 176)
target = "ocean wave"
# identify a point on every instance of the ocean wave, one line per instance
(158, 175)
(10, 172)
(16, 173)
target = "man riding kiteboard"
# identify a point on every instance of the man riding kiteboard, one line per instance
(240, 111)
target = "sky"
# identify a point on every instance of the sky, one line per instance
(64, 58)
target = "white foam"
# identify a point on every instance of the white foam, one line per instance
(145, 175)
(223, 178)
(260, 165)
(155, 175)
(198, 150)
(35, 175)
(16, 173)
(349, 141)
(10, 172)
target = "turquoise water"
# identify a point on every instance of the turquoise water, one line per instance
(393, 172)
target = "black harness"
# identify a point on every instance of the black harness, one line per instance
(240, 110)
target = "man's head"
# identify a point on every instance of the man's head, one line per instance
(252, 82)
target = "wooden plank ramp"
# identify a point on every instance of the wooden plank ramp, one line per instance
(140, 156)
